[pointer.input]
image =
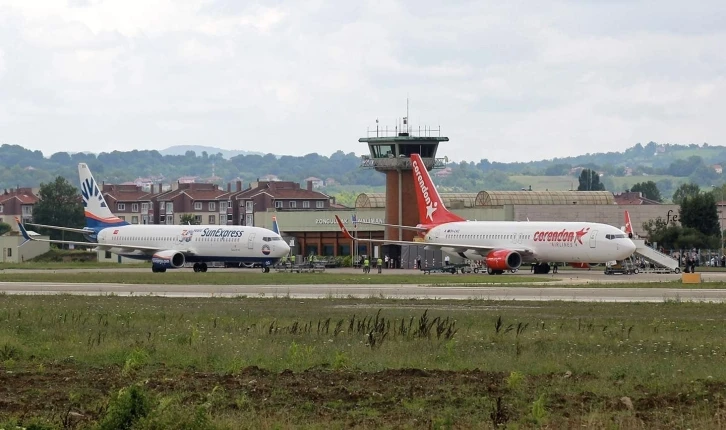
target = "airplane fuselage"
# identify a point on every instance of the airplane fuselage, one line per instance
(548, 241)
(200, 243)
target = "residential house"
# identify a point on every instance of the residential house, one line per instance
(206, 202)
(442, 173)
(130, 202)
(17, 203)
(633, 198)
(317, 182)
(262, 196)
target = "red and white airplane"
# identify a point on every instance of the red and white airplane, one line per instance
(505, 245)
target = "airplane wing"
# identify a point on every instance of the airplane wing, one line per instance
(55, 227)
(452, 247)
(125, 247)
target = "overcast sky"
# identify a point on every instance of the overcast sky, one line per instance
(505, 80)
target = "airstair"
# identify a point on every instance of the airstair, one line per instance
(663, 263)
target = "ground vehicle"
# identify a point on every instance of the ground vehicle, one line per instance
(624, 267)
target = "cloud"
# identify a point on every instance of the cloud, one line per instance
(505, 81)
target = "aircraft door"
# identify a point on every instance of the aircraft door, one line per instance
(593, 236)
(236, 247)
(251, 241)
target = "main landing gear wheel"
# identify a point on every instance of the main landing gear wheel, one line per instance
(490, 271)
(265, 269)
(158, 269)
(200, 267)
(677, 270)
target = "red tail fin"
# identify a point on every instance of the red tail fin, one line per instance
(431, 209)
(628, 225)
(343, 229)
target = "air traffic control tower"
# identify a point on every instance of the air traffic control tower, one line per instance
(390, 152)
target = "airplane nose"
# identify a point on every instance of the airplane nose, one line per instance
(284, 249)
(630, 247)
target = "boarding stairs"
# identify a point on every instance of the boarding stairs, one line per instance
(663, 263)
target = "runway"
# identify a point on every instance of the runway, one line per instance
(389, 291)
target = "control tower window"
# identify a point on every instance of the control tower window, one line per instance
(383, 151)
(425, 151)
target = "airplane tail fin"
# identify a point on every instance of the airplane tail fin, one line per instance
(98, 215)
(431, 209)
(23, 232)
(275, 226)
(628, 225)
(343, 229)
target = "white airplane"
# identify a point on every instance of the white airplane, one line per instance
(169, 246)
(505, 245)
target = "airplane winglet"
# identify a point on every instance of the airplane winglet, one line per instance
(343, 229)
(23, 232)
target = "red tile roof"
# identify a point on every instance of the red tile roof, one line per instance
(126, 192)
(633, 198)
(281, 190)
(25, 195)
(196, 191)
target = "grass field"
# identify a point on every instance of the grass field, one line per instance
(247, 277)
(152, 363)
(71, 265)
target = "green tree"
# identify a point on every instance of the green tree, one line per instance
(685, 190)
(655, 227)
(590, 181)
(699, 212)
(649, 190)
(60, 204)
(4, 228)
(678, 237)
(187, 219)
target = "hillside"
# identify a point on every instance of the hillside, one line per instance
(666, 165)
(210, 150)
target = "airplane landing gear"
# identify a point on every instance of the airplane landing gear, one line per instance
(155, 269)
(200, 267)
(266, 269)
(541, 268)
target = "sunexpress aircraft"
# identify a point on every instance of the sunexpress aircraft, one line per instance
(169, 246)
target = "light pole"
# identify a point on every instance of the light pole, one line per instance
(718, 211)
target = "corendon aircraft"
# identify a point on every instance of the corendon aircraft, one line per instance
(505, 245)
(169, 246)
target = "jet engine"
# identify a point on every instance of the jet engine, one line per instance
(502, 259)
(163, 260)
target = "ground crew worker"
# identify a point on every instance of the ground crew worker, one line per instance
(380, 264)
(292, 259)
(446, 260)
(366, 265)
